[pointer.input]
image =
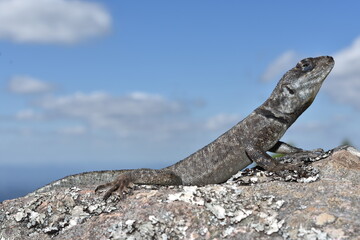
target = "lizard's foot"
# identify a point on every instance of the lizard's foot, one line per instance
(297, 164)
(304, 157)
(120, 184)
(297, 172)
(283, 170)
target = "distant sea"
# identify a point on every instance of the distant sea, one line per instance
(17, 181)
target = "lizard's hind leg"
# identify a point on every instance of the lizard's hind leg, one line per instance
(140, 176)
(120, 184)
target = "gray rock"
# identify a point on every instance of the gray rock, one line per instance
(266, 207)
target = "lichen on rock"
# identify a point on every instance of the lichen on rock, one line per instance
(264, 208)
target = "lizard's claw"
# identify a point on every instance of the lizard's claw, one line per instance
(120, 184)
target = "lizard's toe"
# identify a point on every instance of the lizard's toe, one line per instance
(121, 185)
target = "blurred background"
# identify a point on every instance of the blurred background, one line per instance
(94, 85)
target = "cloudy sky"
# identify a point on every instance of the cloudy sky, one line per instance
(88, 85)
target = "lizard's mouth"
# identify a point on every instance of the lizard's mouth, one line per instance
(330, 66)
(321, 75)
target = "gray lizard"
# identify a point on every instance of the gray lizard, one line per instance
(248, 141)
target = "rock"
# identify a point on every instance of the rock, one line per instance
(265, 208)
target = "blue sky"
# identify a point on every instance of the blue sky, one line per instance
(89, 85)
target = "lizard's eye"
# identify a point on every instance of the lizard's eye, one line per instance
(305, 65)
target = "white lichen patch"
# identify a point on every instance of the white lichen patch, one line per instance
(20, 215)
(312, 233)
(189, 195)
(217, 210)
(240, 215)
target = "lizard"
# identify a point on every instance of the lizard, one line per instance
(246, 142)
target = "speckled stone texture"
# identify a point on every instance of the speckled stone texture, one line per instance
(328, 208)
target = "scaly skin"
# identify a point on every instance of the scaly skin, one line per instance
(246, 142)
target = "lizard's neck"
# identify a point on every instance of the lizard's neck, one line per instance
(276, 108)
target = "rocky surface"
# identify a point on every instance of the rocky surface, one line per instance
(254, 206)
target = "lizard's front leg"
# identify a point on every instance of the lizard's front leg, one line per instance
(265, 161)
(297, 156)
(284, 148)
(140, 176)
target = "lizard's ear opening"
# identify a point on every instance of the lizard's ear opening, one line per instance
(289, 90)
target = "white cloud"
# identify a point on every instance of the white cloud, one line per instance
(138, 114)
(28, 85)
(95, 104)
(344, 81)
(280, 65)
(51, 21)
(73, 130)
(28, 114)
(132, 114)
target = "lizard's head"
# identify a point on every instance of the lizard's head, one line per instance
(297, 89)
